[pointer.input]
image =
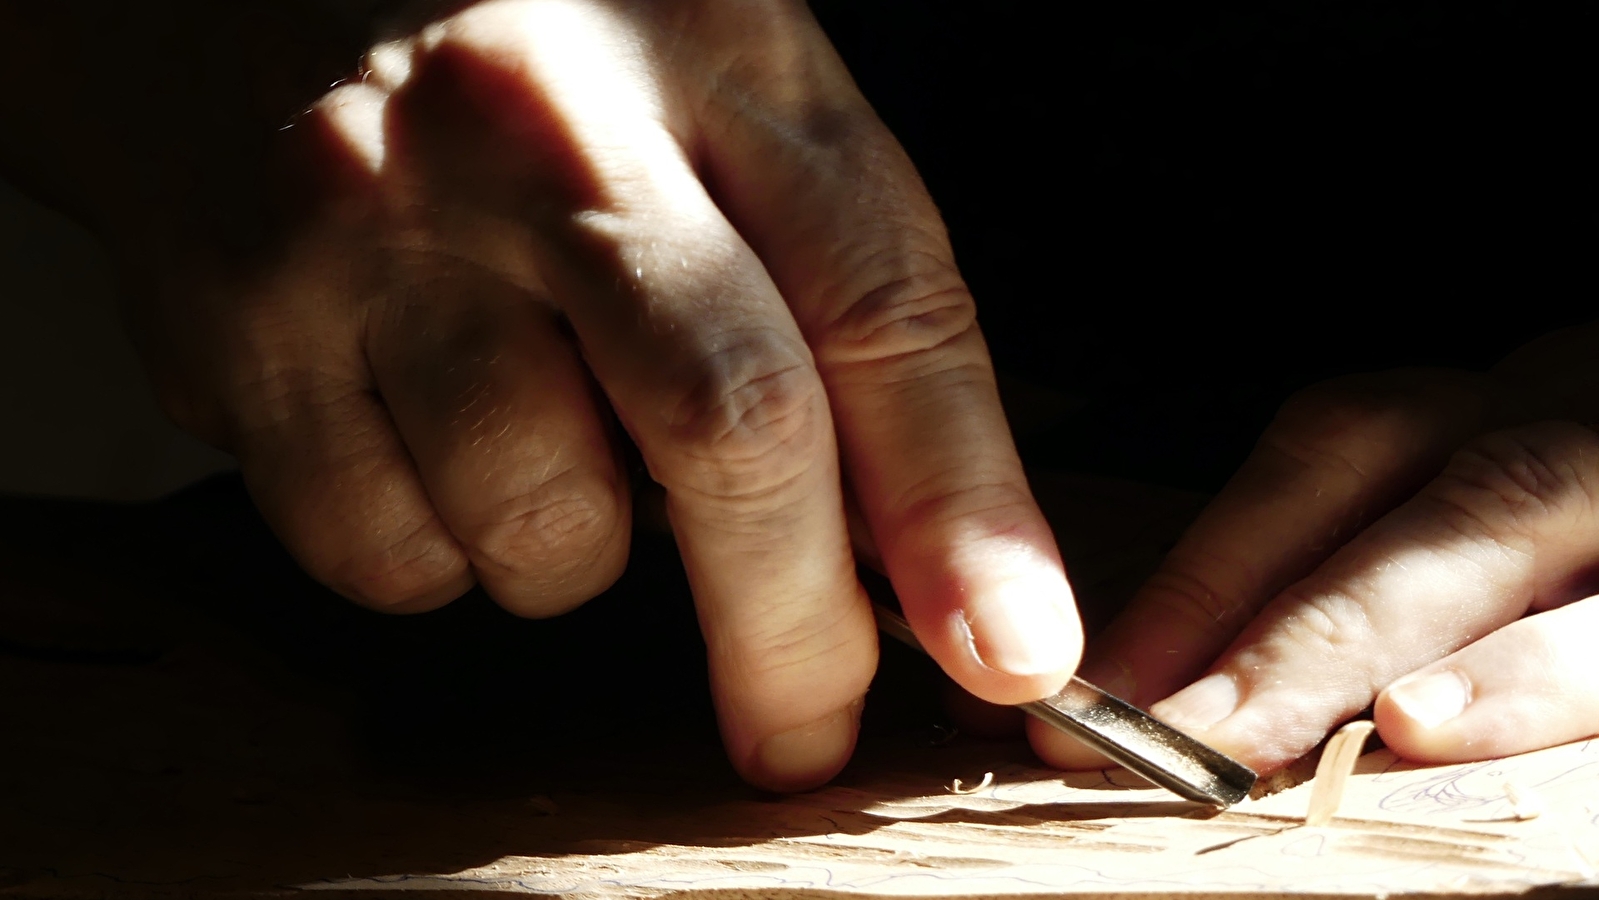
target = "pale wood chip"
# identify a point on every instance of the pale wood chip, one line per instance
(956, 788)
(1332, 773)
(1524, 802)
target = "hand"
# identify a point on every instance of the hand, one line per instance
(530, 215)
(1407, 539)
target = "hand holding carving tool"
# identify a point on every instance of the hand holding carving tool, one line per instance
(1124, 734)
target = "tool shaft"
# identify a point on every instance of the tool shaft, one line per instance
(1125, 734)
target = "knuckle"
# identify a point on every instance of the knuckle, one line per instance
(280, 370)
(1507, 483)
(750, 418)
(294, 401)
(559, 533)
(392, 573)
(915, 304)
(1327, 625)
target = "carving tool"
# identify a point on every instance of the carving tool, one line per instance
(1125, 734)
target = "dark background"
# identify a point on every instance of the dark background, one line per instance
(1181, 212)
(1174, 215)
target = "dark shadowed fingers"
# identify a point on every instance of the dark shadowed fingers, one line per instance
(826, 196)
(1337, 456)
(325, 466)
(496, 408)
(1509, 525)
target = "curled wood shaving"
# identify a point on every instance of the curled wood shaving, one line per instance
(956, 788)
(1332, 773)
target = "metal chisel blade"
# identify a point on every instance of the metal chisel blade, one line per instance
(1125, 734)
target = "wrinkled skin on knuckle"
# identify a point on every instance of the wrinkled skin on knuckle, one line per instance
(270, 344)
(750, 419)
(294, 397)
(343, 526)
(1509, 479)
(564, 536)
(1507, 493)
(242, 349)
(909, 315)
(1318, 664)
(388, 567)
(1323, 628)
(445, 358)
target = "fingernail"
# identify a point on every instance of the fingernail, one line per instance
(1200, 705)
(1432, 699)
(806, 756)
(1019, 629)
